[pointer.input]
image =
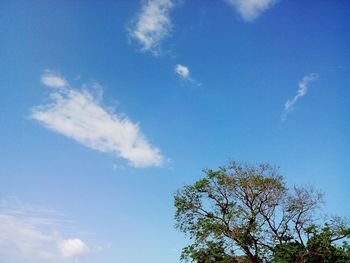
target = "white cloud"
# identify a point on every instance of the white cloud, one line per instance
(53, 80)
(72, 248)
(249, 10)
(78, 114)
(36, 233)
(153, 24)
(301, 92)
(182, 71)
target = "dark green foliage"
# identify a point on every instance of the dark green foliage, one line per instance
(320, 247)
(288, 252)
(211, 252)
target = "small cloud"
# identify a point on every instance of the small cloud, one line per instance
(72, 248)
(152, 24)
(301, 92)
(53, 80)
(79, 115)
(182, 71)
(249, 10)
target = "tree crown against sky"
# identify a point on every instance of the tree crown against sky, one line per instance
(247, 209)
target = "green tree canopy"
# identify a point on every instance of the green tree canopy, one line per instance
(245, 213)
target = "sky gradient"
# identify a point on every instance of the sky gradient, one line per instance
(109, 107)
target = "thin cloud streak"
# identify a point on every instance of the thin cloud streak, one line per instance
(250, 10)
(153, 25)
(79, 115)
(301, 92)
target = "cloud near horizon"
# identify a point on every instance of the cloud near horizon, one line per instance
(250, 10)
(70, 248)
(36, 233)
(152, 25)
(79, 115)
(301, 92)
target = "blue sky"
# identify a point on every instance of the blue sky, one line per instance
(108, 107)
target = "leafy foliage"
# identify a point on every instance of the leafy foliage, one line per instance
(211, 252)
(320, 247)
(248, 210)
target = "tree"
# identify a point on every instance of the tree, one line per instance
(321, 245)
(242, 209)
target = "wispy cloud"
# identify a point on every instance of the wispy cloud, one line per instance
(301, 92)
(79, 114)
(153, 24)
(249, 10)
(36, 233)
